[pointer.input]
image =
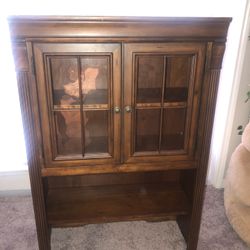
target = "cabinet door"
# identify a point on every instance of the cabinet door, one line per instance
(162, 89)
(78, 90)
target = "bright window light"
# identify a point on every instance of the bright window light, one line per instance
(12, 149)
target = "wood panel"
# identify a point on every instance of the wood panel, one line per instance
(113, 179)
(20, 56)
(121, 28)
(76, 206)
(43, 229)
(70, 125)
(70, 192)
(119, 168)
(190, 224)
(163, 64)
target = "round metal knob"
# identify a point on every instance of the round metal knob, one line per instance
(117, 110)
(128, 109)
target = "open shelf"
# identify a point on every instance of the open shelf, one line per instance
(98, 204)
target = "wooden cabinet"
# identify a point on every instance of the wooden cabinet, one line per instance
(79, 87)
(162, 88)
(117, 116)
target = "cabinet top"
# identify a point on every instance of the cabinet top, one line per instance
(119, 28)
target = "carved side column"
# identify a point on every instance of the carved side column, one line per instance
(30, 121)
(190, 224)
(215, 52)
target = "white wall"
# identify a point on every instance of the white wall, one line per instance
(224, 138)
(13, 181)
(12, 150)
(242, 109)
(12, 143)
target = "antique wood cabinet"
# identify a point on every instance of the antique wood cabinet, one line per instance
(117, 115)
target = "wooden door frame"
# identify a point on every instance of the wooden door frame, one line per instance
(114, 50)
(198, 49)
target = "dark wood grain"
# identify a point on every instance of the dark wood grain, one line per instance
(122, 28)
(76, 206)
(119, 168)
(202, 170)
(50, 133)
(43, 229)
(190, 224)
(113, 179)
(20, 56)
(186, 59)
(156, 97)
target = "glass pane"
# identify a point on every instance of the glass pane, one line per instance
(96, 131)
(147, 130)
(173, 130)
(68, 130)
(178, 78)
(64, 78)
(150, 77)
(95, 79)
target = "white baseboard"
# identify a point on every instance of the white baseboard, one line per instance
(14, 181)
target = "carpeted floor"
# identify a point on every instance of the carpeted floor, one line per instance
(17, 230)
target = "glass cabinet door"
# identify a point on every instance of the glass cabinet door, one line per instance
(162, 90)
(78, 90)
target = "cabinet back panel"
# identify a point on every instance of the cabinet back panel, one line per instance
(113, 179)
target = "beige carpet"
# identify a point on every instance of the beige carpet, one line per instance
(17, 230)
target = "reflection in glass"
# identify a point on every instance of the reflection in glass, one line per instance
(173, 129)
(64, 72)
(94, 80)
(94, 76)
(150, 78)
(78, 133)
(68, 131)
(147, 130)
(176, 88)
(96, 131)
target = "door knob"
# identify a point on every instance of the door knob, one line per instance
(128, 109)
(117, 110)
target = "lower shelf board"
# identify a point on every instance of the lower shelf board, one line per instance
(99, 204)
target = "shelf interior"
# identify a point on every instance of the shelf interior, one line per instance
(72, 206)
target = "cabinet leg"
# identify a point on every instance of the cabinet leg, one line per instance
(189, 235)
(44, 239)
(39, 205)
